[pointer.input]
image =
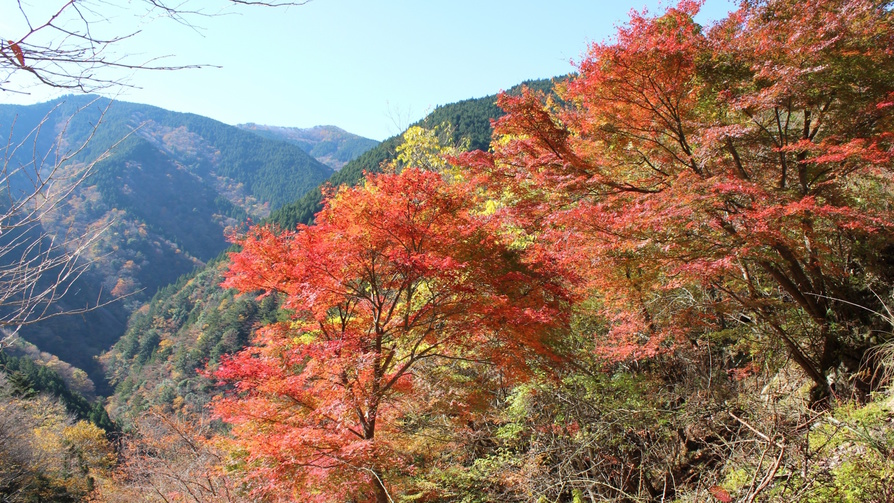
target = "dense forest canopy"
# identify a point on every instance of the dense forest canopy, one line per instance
(161, 191)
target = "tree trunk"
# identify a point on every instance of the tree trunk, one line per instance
(381, 493)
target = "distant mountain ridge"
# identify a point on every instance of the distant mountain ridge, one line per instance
(330, 145)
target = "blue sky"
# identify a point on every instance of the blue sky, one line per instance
(370, 67)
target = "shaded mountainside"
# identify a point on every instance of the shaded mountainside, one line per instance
(330, 145)
(165, 195)
(195, 321)
(270, 170)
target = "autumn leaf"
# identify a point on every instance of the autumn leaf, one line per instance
(690, 175)
(720, 494)
(17, 51)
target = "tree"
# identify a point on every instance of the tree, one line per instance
(396, 274)
(45, 455)
(427, 149)
(734, 179)
(36, 268)
(169, 458)
(67, 45)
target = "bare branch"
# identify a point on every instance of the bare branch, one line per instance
(37, 268)
(65, 51)
(62, 47)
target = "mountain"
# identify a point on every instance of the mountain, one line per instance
(195, 321)
(168, 188)
(330, 145)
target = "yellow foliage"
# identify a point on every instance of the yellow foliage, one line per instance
(426, 149)
(88, 444)
(44, 450)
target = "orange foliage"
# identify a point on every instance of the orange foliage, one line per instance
(394, 273)
(697, 178)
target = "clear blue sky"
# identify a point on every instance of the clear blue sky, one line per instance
(370, 67)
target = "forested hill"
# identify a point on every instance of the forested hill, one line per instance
(165, 193)
(196, 321)
(330, 145)
(467, 120)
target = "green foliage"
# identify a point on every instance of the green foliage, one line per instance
(471, 119)
(45, 454)
(142, 181)
(185, 327)
(273, 171)
(28, 379)
(856, 444)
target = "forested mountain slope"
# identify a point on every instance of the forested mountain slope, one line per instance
(160, 200)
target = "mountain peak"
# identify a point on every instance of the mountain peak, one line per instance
(331, 145)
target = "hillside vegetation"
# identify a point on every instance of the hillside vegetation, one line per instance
(330, 145)
(161, 200)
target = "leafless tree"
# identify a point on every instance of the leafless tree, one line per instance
(36, 269)
(69, 45)
(168, 454)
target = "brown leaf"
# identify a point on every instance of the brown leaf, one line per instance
(18, 52)
(721, 494)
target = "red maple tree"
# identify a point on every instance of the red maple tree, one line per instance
(737, 178)
(399, 271)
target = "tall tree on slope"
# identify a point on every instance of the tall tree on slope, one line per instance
(395, 275)
(737, 178)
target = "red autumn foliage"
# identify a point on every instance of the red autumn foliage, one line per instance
(394, 273)
(720, 494)
(714, 179)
